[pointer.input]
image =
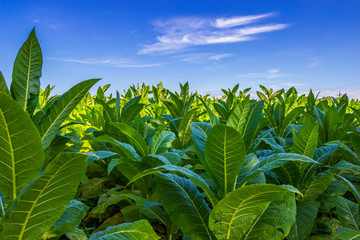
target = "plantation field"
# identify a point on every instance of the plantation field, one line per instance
(149, 163)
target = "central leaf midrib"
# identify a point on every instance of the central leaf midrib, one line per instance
(28, 77)
(238, 207)
(194, 207)
(11, 154)
(56, 118)
(37, 199)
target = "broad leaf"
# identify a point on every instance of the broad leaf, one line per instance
(253, 123)
(305, 218)
(114, 199)
(127, 231)
(348, 213)
(291, 116)
(20, 148)
(345, 233)
(275, 161)
(241, 209)
(160, 143)
(193, 177)
(133, 136)
(69, 220)
(238, 117)
(184, 128)
(316, 186)
(200, 132)
(124, 149)
(224, 154)
(60, 110)
(38, 208)
(306, 140)
(275, 222)
(26, 74)
(185, 205)
(131, 109)
(3, 87)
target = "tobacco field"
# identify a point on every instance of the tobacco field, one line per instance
(149, 163)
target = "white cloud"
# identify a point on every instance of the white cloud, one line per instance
(218, 57)
(183, 32)
(238, 21)
(118, 63)
(202, 57)
(269, 74)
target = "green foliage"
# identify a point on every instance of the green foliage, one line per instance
(26, 74)
(21, 151)
(151, 163)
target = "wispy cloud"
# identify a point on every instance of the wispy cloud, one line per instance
(315, 61)
(118, 63)
(218, 57)
(269, 74)
(202, 57)
(183, 32)
(53, 27)
(238, 21)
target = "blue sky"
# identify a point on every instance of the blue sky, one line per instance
(212, 44)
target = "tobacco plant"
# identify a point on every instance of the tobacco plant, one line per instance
(155, 164)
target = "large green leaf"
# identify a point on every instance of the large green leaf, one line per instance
(69, 220)
(355, 141)
(184, 128)
(114, 199)
(108, 112)
(316, 186)
(291, 116)
(253, 122)
(200, 132)
(161, 142)
(238, 117)
(60, 110)
(345, 233)
(331, 122)
(213, 118)
(320, 155)
(250, 162)
(129, 168)
(274, 161)
(351, 188)
(124, 149)
(185, 205)
(194, 178)
(38, 208)
(224, 154)
(348, 213)
(237, 214)
(306, 140)
(275, 222)
(305, 218)
(133, 136)
(131, 109)
(127, 231)
(3, 87)
(21, 153)
(26, 73)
